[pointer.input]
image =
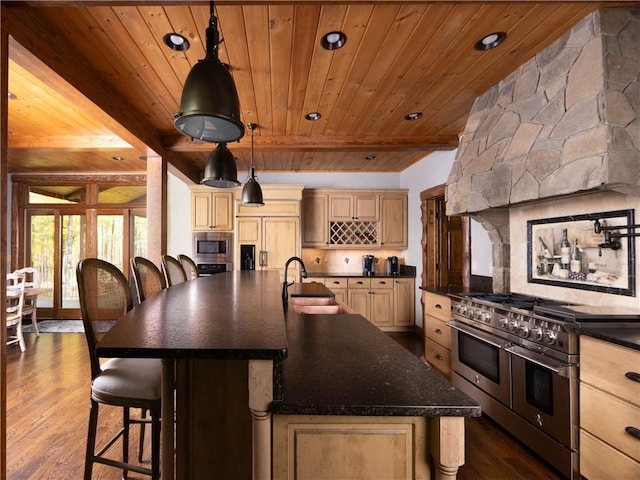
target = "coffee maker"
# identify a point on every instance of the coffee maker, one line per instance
(368, 265)
(393, 267)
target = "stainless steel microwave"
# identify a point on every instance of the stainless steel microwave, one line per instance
(213, 247)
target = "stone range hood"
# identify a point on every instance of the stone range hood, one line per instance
(565, 122)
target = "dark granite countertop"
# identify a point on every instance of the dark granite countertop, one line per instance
(344, 365)
(309, 290)
(626, 335)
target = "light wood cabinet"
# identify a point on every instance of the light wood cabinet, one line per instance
(373, 299)
(345, 207)
(393, 221)
(335, 218)
(315, 220)
(404, 305)
(275, 239)
(437, 347)
(609, 410)
(211, 210)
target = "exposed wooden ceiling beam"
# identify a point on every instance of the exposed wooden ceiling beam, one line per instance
(179, 143)
(75, 142)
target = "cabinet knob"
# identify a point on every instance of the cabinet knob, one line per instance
(438, 306)
(438, 331)
(633, 431)
(635, 376)
(439, 357)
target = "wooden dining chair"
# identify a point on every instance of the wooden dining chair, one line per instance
(123, 382)
(147, 278)
(172, 270)
(189, 266)
(31, 280)
(15, 305)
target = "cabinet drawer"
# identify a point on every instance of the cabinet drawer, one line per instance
(605, 364)
(358, 282)
(438, 331)
(382, 283)
(606, 417)
(332, 283)
(438, 357)
(438, 306)
(599, 461)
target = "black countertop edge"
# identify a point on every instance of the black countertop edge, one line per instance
(376, 410)
(449, 290)
(356, 275)
(196, 354)
(625, 336)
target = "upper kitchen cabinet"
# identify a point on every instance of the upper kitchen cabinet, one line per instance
(393, 220)
(333, 218)
(357, 207)
(211, 210)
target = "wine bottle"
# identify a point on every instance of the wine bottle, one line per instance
(545, 250)
(565, 251)
(576, 257)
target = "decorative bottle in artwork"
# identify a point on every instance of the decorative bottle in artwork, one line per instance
(545, 250)
(565, 251)
(576, 258)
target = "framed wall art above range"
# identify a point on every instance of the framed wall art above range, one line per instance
(592, 251)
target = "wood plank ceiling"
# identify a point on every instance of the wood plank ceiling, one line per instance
(93, 80)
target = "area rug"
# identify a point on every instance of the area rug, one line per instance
(66, 326)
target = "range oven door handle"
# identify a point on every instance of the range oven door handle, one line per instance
(557, 367)
(475, 334)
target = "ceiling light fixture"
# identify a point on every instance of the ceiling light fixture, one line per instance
(490, 41)
(252, 192)
(413, 116)
(176, 42)
(313, 116)
(210, 108)
(333, 40)
(220, 170)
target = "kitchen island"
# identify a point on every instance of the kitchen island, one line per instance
(245, 367)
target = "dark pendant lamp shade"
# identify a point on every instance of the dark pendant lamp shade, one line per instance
(252, 192)
(221, 170)
(210, 108)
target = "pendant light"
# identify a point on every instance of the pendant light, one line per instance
(220, 170)
(252, 192)
(210, 108)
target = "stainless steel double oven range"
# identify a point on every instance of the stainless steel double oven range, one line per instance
(522, 369)
(517, 356)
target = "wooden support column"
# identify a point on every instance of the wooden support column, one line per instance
(4, 86)
(447, 446)
(260, 398)
(156, 207)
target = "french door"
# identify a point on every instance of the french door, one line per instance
(56, 240)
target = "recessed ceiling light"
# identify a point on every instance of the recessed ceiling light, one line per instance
(118, 158)
(176, 42)
(313, 116)
(413, 116)
(333, 40)
(490, 41)
(370, 157)
(12, 96)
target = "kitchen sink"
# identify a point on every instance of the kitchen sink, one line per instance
(318, 305)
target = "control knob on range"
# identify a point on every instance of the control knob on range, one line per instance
(504, 322)
(536, 334)
(513, 325)
(549, 337)
(523, 331)
(485, 317)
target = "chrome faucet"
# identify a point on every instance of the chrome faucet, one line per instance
(285, 285)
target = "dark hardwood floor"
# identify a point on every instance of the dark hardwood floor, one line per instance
(48, 405)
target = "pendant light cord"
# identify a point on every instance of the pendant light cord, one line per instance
(251, 127)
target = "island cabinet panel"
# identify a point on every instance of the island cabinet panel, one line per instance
(609, 410)
(211, 211)
(437, 348)
(331, 447)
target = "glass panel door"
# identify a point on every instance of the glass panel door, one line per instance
(42, 250)
(110, 239)
(73, 238)
(138, 235)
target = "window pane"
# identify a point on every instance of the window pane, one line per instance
(110, 239)
(73, 237)
(139, 236)
(136, 194)
(42, 254)
(57, 194)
